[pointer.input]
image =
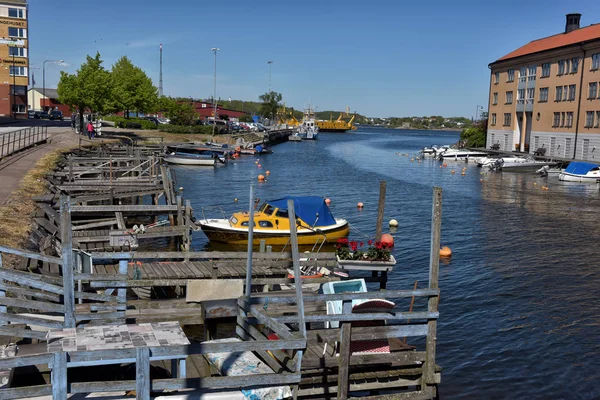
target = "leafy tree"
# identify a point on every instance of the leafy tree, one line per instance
(475, 136)
(89, 89)
(180, 113)
(270, 104)
(132, 89)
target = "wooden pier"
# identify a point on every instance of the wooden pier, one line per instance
(127, 303)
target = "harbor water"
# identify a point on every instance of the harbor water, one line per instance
(519, 306)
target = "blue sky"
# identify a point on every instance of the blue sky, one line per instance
(380, 57)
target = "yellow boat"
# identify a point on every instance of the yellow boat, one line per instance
(315, 224)
(338, 125)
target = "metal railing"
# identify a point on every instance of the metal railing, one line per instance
(11, 142)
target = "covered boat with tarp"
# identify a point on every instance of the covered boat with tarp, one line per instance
(579, 171)
(314, 220)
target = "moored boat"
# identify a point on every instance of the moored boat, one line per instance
(190, 159)
(519, 164)
(579, 171)
(460, 154)
(271, 223)
(308, 129)
(432, 151)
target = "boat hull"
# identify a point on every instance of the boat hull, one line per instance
(208, 162)
(271, 237)
(568, 177)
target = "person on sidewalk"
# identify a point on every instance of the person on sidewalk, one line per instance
(73, 119)
(90, 130)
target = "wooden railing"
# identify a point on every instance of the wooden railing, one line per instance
(11, 142)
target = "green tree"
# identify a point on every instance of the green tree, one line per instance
(180, 113)
(132, 89)
(89, 89)
(475, 136)
(270, 104)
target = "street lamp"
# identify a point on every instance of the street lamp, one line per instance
(270, 66)
(214, 50)
(44, 75)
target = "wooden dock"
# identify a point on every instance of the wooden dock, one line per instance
(85, 275)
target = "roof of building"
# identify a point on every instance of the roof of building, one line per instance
(15, 2)
(553, 42)
(50, 93)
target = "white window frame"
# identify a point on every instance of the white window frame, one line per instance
(592, 93)
(558, 94)
(569, 122)
(589, 119)
(529, 95)
(543, 95)
(597, 124)
(20, 12)
(510, 75)
(574, 65)
(21, 32)
(509, 93)
(556, 120)
(496, 78)
(561, 68)
(493, 119)
(21, 108)
(507, 117)
(565, 92)
(22, 70)
(595, 62)
(22, 50)
(546, 70)
(531, 72)
(495, 98)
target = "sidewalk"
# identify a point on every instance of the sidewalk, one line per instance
(14, 168)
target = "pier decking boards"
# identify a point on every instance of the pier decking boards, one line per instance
(80, 280)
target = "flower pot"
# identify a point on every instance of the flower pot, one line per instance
(365, 263)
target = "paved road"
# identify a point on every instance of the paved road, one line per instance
(14, 168)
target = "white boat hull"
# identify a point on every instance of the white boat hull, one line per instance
(208, 162)
(590, 177)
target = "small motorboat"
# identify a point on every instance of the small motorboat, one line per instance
(520, 164)
(315, 224)
(579, 171)
(191, 159)
(308, 129)
(434, 150)
(547, 170)
(460, 154)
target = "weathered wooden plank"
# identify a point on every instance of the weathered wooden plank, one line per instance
(32, 304)
(388, 294)
(396, 316)
(99, 277)
(138, 209)
(344, 357)
(25, 360)
(30, 292)
(98, 316)
(196, 269)
(12, 318)
(29, 254)
(369, 333)
(44, 223)
(210, 255)
(395, 359)
(142, 373)
(228, 382)
(27, 279)
(26, 392)
(59, 376)
(9, 330)
(68, 264)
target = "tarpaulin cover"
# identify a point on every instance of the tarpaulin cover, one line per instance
(580, 168)
(308, 208)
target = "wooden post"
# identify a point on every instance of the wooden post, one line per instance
(263, 243)
(434, 269)
(67, 260)
(58, 376)
(297, 279)
(122, 292)
(71, 179)
(142, 373)
(344, 355)
(188, 223)
(179, 211)
(380, 210)
(250, 240)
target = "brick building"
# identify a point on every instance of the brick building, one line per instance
(14, 58)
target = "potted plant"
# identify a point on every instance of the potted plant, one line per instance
(352, 253)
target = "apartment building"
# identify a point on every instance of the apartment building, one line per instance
(546, 95)
(14, 58)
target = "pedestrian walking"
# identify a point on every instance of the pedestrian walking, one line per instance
(90, 130)
(73, 119)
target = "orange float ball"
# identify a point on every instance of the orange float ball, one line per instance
(445, 165)
(387, 240)
(445, 251)
(452, 172)
(259, 166)
(328, 201)
(360, 204)
(268, 173)
(261, 178)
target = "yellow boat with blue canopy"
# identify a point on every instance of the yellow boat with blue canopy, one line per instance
(314, 220)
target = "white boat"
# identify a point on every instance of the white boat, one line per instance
(519, 164)
(461, 154)
(547, 170)
(485, 161)
(308, 129)
(433, 150)
(190, 159)
(497, 162)
(578, 171)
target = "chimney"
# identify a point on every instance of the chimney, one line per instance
(572, 22)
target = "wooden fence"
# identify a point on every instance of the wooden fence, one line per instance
(11, 142)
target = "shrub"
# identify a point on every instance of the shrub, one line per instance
(186, 129)
(131, 123)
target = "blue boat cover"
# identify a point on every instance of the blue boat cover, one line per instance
(580, 168)
(308, 208)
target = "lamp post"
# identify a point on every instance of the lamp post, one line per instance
(214, 50)
(270, 62)
(44, 76)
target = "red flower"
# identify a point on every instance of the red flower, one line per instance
(378, 245)
(370, 242)
(361, 244)
(353, 246)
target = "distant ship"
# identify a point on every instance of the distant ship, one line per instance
(338, 125)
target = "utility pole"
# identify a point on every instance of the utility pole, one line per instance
(270, 62)
(160, 79)
(214, 50)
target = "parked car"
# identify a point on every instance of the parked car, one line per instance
(33, 114)
(56, 115)
(164, 120)
(44, 115)
(153, 119)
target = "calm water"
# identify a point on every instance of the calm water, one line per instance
(520, 309)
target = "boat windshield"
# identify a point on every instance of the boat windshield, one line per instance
(267, 209)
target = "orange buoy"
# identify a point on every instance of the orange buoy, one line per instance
(445, 165)
(360, 204)
(328, 201)
(463, 173)
(259, 166)
(261, 178)
(445, 251)
(256, 162)
(452, 172)
(268, 173)
(387, 240)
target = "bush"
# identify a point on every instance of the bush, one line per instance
(131, 123)
(186, 129)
